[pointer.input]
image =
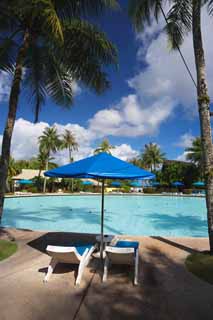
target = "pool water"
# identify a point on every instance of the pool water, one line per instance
(133, 215)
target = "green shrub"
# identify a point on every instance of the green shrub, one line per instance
(187, 191)
(33, 189)
(7, 248)
(126, 189)
(149, 190)
(201, 265)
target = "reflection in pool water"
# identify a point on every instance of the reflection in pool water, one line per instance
(133, 215)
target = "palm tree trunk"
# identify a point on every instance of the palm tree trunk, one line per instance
(45, 178)
(8, 131)
(70, 154)
(72, 180)
(204, 113)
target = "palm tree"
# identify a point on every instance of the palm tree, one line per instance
(194, 153)
(69, 142)
(12, 171)
(137, 161)
(152, 156)
(105, 146)
(49, 142)
(41, 161)
(184, 17)
(53, 44)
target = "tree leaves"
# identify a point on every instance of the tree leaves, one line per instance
(63, 48)
(141, 11)
(179, 21)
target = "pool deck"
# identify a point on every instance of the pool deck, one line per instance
(166, 290)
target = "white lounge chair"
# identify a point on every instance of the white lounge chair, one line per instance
(123, 252)
(74, 255)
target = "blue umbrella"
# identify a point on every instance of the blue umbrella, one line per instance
(178, 184)
(136, 184)
(116, 184)
(101, 166)
(156, 184)
(199, 184)
(24, 181)
(87, 183)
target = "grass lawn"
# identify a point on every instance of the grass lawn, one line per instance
(201, 265)
(7, 248)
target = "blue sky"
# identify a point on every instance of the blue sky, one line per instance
(151, 98)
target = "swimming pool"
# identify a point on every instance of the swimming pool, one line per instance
(133, 215)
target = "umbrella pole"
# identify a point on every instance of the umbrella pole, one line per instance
(102, 221)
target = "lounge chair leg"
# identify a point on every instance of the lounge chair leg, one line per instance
(80, 272)
(136, 268)
(106, 265)
(51, 268)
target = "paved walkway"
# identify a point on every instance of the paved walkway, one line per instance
(166, 290)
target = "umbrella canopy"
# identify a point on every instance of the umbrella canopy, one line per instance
(156, 184)
(199, 184)
(178, 184)
(136, 184)
(23, 181)
(116, 184)
(87, 183)
(102, 166)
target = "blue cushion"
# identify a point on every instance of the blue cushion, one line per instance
(127, 244)
(81, 249)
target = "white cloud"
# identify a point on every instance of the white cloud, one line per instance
(166, 75)
(124, 152)
(130, 118)
(25, 138)
(185, 140)
(76, 88)
(5, 84)
(25, 142)
(159, 88)
(182, 157)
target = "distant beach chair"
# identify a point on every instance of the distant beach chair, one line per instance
(123, 252)
(79, 255)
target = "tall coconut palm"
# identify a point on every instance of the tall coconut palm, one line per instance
(12, 171)
(41, 161)
(45, 45)
(105, 146)
(49, 142)
(152, 156)
(184, 16)
(194, 153)
(69, 142)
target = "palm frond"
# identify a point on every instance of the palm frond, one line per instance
(45, 14)
(80, 8)
(82, 36)
(7, 47)
(59, 82)
(179, 22)
(9, 16)
(141, 11)
(210, 6)
(86, 52)
(34, 78)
